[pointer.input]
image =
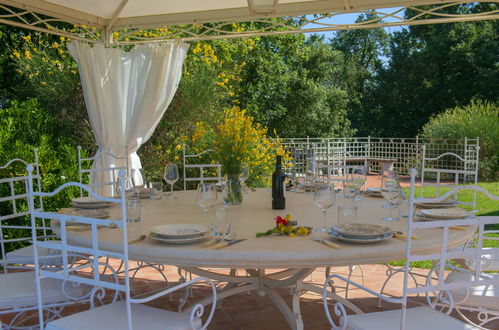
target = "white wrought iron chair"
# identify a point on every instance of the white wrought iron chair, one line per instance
(481, 301)
(15, 226)
(449, 167)
(107, 176)
(110, 178)
(201, 168)
(130, 313)
(441, 293)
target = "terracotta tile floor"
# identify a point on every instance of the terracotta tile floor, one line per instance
(249, 311)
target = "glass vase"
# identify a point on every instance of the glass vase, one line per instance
(233, 194)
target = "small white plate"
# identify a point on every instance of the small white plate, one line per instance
(361, 230)
(90, 206)
(180, 231)
(178, 240)
(88, 200)
(381, 238)
(444, 214)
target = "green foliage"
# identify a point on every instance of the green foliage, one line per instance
(478, 119)
(431, 68)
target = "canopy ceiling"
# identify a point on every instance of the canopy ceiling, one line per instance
(183, 16)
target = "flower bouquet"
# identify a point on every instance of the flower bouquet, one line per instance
(284, 226)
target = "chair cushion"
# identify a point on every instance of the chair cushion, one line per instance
(18, 290)
(417, 318)
(24, 256)
(483, 296)
(113, 316)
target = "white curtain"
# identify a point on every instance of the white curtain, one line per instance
(126, 94)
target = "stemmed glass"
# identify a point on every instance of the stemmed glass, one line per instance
(206, 198)
(390, 190)
(358, 178)
(244, 175)
(324, 197)
(171, 176)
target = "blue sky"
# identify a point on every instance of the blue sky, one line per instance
(350, 19)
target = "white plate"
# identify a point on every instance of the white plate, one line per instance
(179, 240)
(443, 214)
(91, 206)
(361, 230)
(100, 214)
(88, 200)
(361, 240)
(180, 231)
(374, 190)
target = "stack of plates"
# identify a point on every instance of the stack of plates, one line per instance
(362, 233)
(145, 193)
(374, 191)
(437, 205)
(89, 203)
(443, 214)
(180, 233)
(87, 213)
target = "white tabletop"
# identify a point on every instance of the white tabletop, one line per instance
(256, 215)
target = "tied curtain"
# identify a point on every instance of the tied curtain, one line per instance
(126, 94)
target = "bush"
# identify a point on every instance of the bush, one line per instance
(478, 119)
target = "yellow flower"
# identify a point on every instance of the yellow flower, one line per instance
(176, 157)
(55, 45)
(168, 151)
(27, 54)
(288, 217)
(183, 138)
(302, 231)
(62, 39)
(178, 147)
(16, 54)
(231, 93)
(27, 38)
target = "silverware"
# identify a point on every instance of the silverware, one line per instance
(327, 243)
(402, 235)
(136, 239)
(229, 243)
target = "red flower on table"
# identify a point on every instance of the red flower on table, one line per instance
(281, 220)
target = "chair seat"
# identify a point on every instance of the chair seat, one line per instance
(483, 296)
(24, 256)
(113, 316)
(417, 318)
(18, 290)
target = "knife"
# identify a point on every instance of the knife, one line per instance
(326, 243)
(228, 243)
(136, 239)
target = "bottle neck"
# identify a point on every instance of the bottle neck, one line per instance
(278, 164)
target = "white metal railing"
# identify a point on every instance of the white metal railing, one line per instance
(406, 153)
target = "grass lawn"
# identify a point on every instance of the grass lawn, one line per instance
(484, 205)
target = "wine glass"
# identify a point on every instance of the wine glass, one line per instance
(324, 197)
(359, 179)
(311, 170)
(206, 198)
(171, 176)
(390, 190)
(244, 175)
(138, 180)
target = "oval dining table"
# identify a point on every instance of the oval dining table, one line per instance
(268, 262)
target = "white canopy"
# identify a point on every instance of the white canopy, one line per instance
(182, 17)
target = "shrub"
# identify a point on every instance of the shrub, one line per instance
(478, 119)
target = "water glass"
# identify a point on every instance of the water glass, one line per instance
(359, 179)
(390, 190)
(221, 224)
(348, 188)
(171, 176)
(157, 190)
(324, 197)
(133, 210)
(206, 197)
(244, 175)
(347, 215)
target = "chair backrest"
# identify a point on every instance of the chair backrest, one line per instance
(89, 273)
(442, 290)
(199, 167)
(96, 274)
(15, 225)
(450, 168)
(106, 177)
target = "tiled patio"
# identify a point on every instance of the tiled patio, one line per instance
(252, 312)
